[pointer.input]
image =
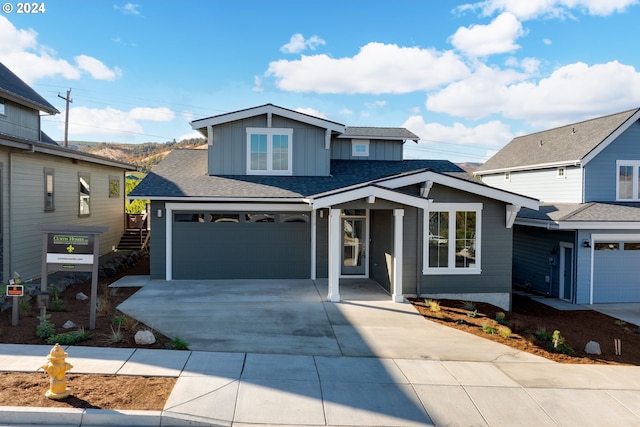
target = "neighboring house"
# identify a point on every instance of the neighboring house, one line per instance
(42, 183)
(583, 245)
(282, 194)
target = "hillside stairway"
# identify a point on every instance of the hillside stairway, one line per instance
(136, 235)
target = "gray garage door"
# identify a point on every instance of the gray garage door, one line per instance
(616, 272)
(241, 245)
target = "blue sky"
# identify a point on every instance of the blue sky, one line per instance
(465, 76)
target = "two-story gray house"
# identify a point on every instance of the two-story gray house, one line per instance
(42, 183)
(583, 245)
(282, 194)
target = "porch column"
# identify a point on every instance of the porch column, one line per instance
(334, 256)
(314, 230)
(398, 216)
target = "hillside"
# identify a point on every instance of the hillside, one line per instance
(145, 156)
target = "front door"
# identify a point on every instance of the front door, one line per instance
(354, 243)
(566, 271)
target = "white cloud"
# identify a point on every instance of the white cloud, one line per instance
(531, 9)
(377, 68)
(257, 84)
(111, 121)
(312, 112)
(548, 42)
(493, 133)
(483, 40)
(297, 43)
(129, 9)
(22, 54)
(96, 68)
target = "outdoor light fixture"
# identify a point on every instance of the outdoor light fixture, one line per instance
(159, 213)
(586, 243)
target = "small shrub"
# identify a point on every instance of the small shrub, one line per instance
(501, 317)
(504, 332)
(103, 305)
(178, 344)
(116, 335)
(24, 307)
(473, 313)
(469, 306)
(489, 328)
(45, 329)
(558, 344)
(434, 305)
(542, 334)
(69, 338)
(55, 303)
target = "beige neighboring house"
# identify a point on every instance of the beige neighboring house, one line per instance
(42, 183)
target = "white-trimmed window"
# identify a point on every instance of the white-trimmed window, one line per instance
(627, 180)
(3, 111)
(561, 173)
(507, 176)
(360, 148)
(269, 151)
(452, 238)
(49, 194)
(84, 193)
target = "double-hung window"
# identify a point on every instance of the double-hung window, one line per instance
(628, 180)
(269, 151)
(49, 195)
(84, 193)
(452, 238)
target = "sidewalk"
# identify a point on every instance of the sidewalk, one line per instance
(243, 389)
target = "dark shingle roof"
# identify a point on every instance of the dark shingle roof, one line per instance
(379, 133)
(563, 144)
(183, 173)
(584, 212)
(13, 88)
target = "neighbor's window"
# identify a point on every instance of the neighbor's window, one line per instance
(360, 148)
(84, 190)
(2, 108)
(114, 186)
(562, 173)
(627, 180)
(507, 176)
(269, 151)
(49, 199)
(453, 242)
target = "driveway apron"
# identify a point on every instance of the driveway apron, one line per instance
(293, 317)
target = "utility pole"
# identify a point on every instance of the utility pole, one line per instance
(66, 118)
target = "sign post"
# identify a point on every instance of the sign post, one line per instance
(75, 248)
(15, 291)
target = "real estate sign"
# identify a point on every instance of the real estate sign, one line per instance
(70, 249)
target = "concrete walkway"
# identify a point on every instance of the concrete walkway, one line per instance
(377, 363)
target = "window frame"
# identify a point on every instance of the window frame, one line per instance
(270, 133)
(561, 172)
(49, 202)
(3, 107)
(452, 209)
(114, 179)
(635, 179)
(355, 143)
(87, 177)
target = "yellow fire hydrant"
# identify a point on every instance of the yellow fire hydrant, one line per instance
(57, 368)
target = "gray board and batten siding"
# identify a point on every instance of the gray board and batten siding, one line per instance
(228, 154)
(341, 149)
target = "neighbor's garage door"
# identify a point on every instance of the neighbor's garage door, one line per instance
(616, 272)
(241, 245)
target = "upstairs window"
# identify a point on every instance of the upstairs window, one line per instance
(269, 151)
(360, 148)
(2, 108)
(627, 180)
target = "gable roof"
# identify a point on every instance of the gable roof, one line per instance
(16, 90)
(202, 124)
(583, 215)
(571, 144)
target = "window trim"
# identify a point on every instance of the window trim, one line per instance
(561, 172)
(360, 142)
(49, 207)
(507, 176)
(114, 178)
(635, 165)
(87, 177)
(452, 208)
(270, 132)
(3, 107)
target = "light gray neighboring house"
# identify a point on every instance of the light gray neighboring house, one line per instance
(42, 183)
(282, 194)
(583, 245)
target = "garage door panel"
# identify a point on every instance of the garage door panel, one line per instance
(616, 274)
(244, 250)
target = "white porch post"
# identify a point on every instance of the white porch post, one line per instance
(398, 216)
(314, 230)
(334, 256)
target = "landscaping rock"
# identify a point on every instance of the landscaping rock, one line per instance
(80, 296)
(144, 337)
(592, 347)
(69, 324)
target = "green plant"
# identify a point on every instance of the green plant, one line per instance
(68, 338)
(473, 313)
(542, 334)
(116, 335)
(489, 328)
(24, 306)
(122, 320)
(178, 344)
(504, 332)
(45, 328)
(103, 304)
(620, 322)
(55, 303)
(501, 317)
(469, 306)
(558, 344)
(434, 305)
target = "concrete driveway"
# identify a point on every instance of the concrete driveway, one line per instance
(292, 317)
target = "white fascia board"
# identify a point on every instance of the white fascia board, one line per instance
(529, 167)
(238, 206)
(578, 225)
(461, 184)
(266, 109)
(608, 140)
(218, 200)
(368, 191)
